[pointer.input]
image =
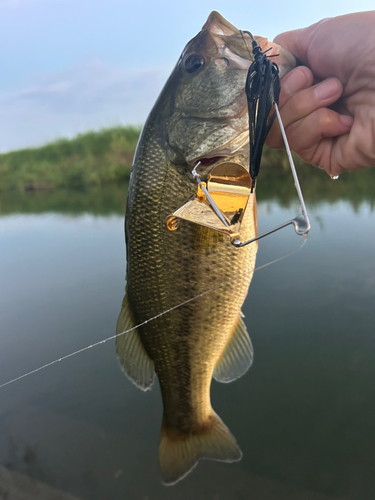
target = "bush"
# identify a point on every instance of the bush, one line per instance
(91, 158)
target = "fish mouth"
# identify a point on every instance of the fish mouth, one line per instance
(236, 146)
(243, 111)
(209, 162)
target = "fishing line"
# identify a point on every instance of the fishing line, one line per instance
(106, 340)
(280, 258)
(144, 322)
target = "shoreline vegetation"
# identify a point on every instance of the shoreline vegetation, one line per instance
(94, 159)
(91, 158)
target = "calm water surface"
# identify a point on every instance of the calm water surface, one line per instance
(304, 414)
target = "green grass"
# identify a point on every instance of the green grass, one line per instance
(91, 158)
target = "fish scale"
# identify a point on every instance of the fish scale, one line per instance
(199, 115)
(176, 264)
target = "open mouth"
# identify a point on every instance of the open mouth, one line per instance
(238, 145)
(208, 162)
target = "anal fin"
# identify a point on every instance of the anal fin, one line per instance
(237, 356)
(133, 358)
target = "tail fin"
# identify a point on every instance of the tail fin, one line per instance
(179, 454)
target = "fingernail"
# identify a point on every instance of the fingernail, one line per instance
(294, 81)
(346, 120)
(326, 89)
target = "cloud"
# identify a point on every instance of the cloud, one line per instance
(88, 96)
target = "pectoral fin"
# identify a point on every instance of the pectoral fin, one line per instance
(133, 358)
(237, 356)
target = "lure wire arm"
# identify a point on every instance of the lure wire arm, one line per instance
(296, 222)
(202, 185)
(294, 172)
(301, 223)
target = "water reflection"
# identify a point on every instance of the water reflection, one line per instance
(303, 414)
(97, 200)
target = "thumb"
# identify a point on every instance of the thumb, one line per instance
(298, 41)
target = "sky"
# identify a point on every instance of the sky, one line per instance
(68, 66)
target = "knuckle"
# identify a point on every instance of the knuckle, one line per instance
(300, 105)
(324, 116)
(366, 145)
(294, 137)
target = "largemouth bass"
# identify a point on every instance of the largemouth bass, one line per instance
(201, 114)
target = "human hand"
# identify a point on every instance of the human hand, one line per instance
(339, 55)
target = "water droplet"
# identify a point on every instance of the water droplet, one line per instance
(334, 177)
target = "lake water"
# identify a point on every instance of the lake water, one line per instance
(303, 415)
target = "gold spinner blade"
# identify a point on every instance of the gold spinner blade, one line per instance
(221, 203)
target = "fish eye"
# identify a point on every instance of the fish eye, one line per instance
(194, 62)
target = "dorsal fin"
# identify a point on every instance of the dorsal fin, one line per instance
(133, 358)
(237, 356)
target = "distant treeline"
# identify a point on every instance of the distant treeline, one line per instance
(92, 158)
(105, 157)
